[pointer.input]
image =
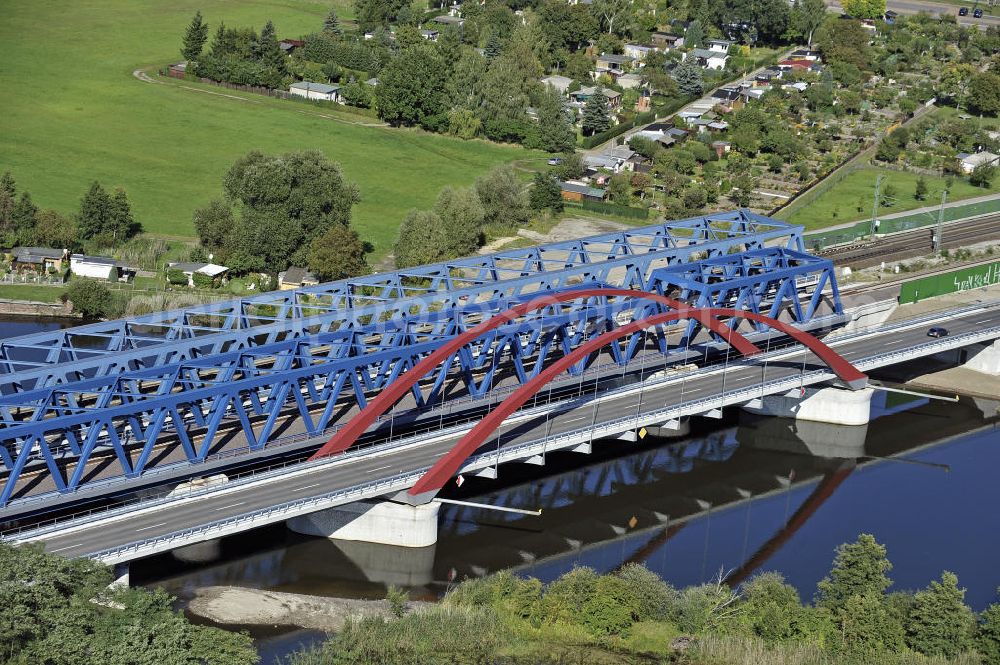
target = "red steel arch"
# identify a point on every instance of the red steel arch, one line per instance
(449, 464)
(389, 395)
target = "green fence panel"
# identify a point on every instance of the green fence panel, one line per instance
(962, 279)
(610, 209)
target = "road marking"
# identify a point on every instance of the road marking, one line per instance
(979, 323)
(232, 505)
(151, 526)
(694, 390)
(299, 489)
(378, 469)
(60, 549)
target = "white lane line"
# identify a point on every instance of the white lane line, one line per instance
(693, 390)
(378, 469)
(151, 526)
(299, 489)
(232, 505)
(979, 323)
(60, 549)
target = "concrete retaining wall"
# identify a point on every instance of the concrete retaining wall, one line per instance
(31, 308)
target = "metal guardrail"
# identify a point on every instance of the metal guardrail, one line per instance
(690, 407)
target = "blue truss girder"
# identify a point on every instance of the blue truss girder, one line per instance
(766, 281)
(63, 357)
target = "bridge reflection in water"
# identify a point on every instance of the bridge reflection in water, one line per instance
(743, 498)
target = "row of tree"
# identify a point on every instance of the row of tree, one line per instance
(284, 210)
(104, 219)
(235, 55)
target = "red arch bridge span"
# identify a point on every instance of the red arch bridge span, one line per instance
(449, 464)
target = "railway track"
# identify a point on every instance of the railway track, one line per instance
(911, 244)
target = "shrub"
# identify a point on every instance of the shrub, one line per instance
(176, 277)
(609, 611)
(398, 600)
(650, 598)
(202, 281)
(565, 596)
(90, 298)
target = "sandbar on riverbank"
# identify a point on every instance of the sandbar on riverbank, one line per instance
(243, 606)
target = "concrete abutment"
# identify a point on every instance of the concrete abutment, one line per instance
(382, 522)
(824, 405)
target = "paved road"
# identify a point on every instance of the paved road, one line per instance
(132, 528)
(935, 9)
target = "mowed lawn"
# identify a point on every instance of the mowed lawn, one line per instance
(72, 112)
(841, 203)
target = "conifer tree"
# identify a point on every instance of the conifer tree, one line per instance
(331, 24)
(595, 114)
(195, 38)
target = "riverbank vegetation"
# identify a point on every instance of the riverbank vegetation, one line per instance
(59, 611)
(632, 616)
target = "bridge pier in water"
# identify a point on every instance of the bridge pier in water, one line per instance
(381, 522)
(824, 405)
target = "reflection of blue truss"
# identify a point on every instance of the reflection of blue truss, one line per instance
(774, 281)
(123, 387)
(623, 258)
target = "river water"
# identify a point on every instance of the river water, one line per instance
(740, 496)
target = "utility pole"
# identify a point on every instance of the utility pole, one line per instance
(878, 188)
(940, 222)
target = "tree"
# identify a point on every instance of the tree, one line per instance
(269, 50)
(494, 47)
(461, 215)
(940, 623)
(983, 175)
(808, 19)
(52, 229)
(372, 14)
(23, 215)
(411, 89)
(331, 24)
(421, 240)
(213, 223)
(194, 38)
(859, 568)
(50, 617)
(121, 225)
(595, 113)
(871, 9)
(984, 93)
(694, 36)
(545, 193)
(89, 298)
(688, 77)
(920, 190)
(8, 199)
(95, 211)
(505, 204)
(612, 13)
(988, 637)
(844, 41)
(338, 253)
(555, 126)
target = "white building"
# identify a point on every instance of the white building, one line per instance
(638, 51)
(708, 59)
(216, 272)
(718, 45)
(312, 90)
(560, 83)
(95, 267)
(968, 163)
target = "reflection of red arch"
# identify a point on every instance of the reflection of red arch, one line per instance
(346, 437)
(450, 463)
(826, 487)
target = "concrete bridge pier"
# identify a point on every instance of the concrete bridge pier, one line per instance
(382, 522)
(121, 576)
(987, 360)
(824, 405)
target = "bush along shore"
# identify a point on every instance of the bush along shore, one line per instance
(632, 616)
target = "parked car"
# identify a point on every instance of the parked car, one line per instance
(978, 13)
(963, 11)
(937, 331)
(555, 161)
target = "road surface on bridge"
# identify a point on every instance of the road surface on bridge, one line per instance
(318, 480)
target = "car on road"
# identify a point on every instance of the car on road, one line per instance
(963, 11)
(937, 331)
(555, 161)
(978, 13)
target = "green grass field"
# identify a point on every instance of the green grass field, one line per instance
(72, 113)
(840, 204)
